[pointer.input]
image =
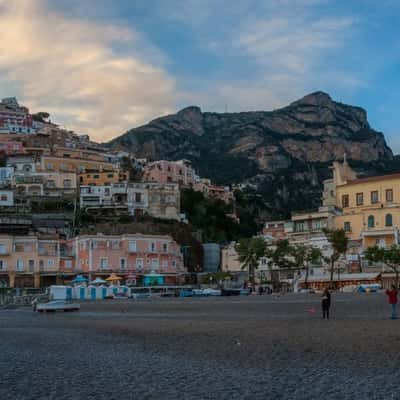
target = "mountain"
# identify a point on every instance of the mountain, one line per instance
(285, 153)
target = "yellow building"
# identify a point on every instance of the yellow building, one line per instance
(61, 164)
(102, 178)
(370, 209)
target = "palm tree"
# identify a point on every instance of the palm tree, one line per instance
(304, 256)
(250, 250)
(339, 242)
(390, 257)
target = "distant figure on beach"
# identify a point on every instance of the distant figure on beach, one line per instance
(392, 297)
(34, 304)
(326, 303)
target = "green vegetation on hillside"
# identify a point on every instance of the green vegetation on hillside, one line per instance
(210, 217)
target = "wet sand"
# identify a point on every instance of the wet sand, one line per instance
(205, 348)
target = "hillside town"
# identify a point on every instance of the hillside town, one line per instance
(53, 181)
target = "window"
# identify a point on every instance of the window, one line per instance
(389, 195)
(165, 247)
(374, 197)
(152, 247)
(138, 197)
(174, 263)
(41, 264)
(132, 245)
(67, 183)
(103, 263)
(154, 263)
(316, 225)
(50, 166)
(50, 262)
(122, 263)
(165, 264)
(68, 264)
(345, 200)
(95, 176)
(388, 220)
(3, 249)
(115, 244)
(27, 247)
(3, 197)
(110, 175)
(2, 265)
(299, 227)
(31, 265)
(371, 221)
(20, 265)
(347, 227)
(139, 264)
(360, 199)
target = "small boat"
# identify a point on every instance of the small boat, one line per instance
(57, 305)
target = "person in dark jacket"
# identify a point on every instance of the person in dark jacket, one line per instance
(326, 303)
(392, 297)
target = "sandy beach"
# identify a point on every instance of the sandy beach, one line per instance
(206, 348)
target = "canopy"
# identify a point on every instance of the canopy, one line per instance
(98, 281)
(79, 279)
(114, 277)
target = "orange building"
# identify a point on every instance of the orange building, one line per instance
(97, 177)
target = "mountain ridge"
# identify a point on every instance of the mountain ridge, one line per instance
(257, 147)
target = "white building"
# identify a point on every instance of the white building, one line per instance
(6, 198)
(6, 174)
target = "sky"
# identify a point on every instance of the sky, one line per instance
(102, 67)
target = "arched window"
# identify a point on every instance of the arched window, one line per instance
(389, 220)
(371, 221)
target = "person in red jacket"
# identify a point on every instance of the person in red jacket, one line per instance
(392, 297)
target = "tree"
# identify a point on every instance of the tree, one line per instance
(304, 256)
(250, 251)
(339, 242)
(281, 255)
(390, 257)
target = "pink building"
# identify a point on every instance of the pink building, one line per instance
(15, 119)
(10, 147)
(100, 255)
(170, 172)
(37, 261)
(209, 190)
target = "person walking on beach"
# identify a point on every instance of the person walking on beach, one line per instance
(392, 297)
(326, 303)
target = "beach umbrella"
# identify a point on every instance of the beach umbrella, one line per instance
(113, 277)
(98, 281)
(79, 279)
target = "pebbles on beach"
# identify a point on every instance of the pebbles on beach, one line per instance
(210, 348)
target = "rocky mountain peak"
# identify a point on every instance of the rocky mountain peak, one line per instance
(189, 112)
(315, 99)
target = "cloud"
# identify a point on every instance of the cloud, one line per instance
(92, 77)
(287, 48)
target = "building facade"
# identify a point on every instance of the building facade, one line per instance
(370, 210)
(163, 171)
(31, 261)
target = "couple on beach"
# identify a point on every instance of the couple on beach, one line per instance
(392, 298)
